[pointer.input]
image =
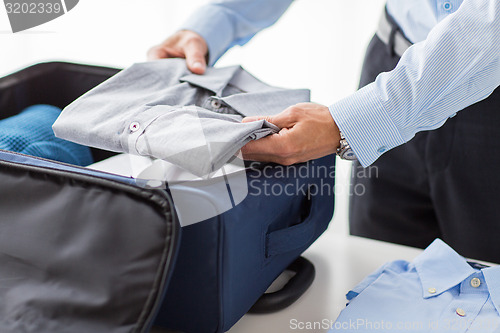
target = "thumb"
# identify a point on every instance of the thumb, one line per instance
(282, 120)
(195, 57)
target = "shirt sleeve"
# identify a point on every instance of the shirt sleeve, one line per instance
(397, 266)
(456, 66)
(226, 23)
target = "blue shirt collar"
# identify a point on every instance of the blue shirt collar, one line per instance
(440, 268)
(492, 277)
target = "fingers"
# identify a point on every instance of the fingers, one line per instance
(263, 149)
(163, 51)
(157, 52)
(286, 119)
(275, 148)
(264, 146)
(195, 56)
(255, 118)
(308, 131)
(183, 44)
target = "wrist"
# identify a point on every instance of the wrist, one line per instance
(344, 150)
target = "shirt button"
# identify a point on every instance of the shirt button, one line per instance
(134, 126)
(475, 282)
(460, 312)
(382, 149)
(431, 290)
(447, 6)
(216, 104)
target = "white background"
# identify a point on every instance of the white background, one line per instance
(317, 44)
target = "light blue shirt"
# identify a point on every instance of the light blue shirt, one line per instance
(437, 292)
(454, 63)
(417, 17)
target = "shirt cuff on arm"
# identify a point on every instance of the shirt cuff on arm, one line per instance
(364, 122)
(211, 23)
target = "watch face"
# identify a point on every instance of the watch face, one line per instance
(349, 155)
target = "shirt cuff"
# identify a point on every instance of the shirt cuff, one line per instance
(211, 23)
(368, 129)
(134, 128)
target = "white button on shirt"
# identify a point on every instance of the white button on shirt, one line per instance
(438, 292)
(215, 104)
(460, 312)
(134, 126)
(475, 282)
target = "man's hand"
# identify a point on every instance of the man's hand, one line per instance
(183, 44)
(307, 132)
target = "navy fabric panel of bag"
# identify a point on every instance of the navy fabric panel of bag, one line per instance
(87, 251)
(247, 245)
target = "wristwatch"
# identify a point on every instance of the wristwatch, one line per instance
(344, 151)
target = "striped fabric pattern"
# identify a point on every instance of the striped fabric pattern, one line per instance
(456, 66)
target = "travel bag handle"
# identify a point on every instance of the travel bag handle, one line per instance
(295, 287)
(295, 237)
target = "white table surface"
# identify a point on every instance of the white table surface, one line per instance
(341, 262)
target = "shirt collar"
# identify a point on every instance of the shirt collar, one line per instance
(258, 98)
(214, 79)
(440, 268)
(492, 277)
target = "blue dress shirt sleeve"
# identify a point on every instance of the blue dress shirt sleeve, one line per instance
(457, 65)
(395, 267)
(226, 23)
